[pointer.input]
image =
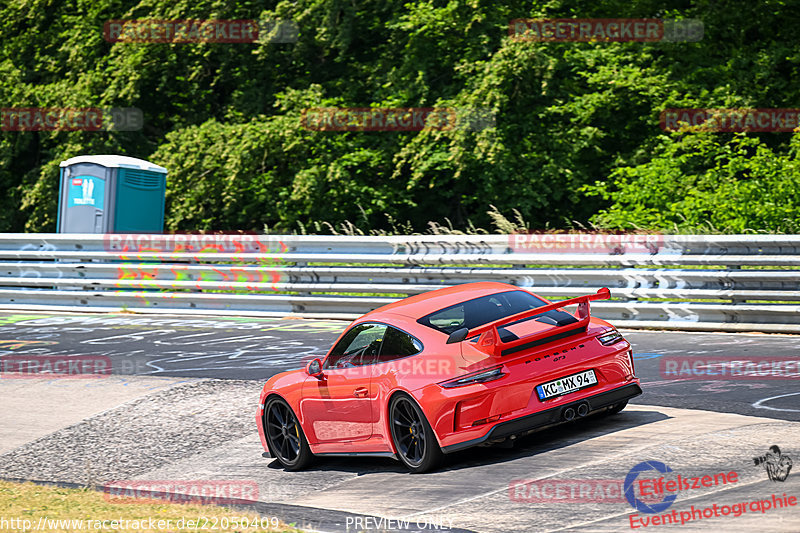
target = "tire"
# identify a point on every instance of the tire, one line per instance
(285, 438)
(616, 408)
(412, 436)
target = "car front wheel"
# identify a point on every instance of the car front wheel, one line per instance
(285, 438)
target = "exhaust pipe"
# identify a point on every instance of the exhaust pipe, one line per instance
(569, 414)
(583, 409)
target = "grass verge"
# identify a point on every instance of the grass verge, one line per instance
(32, 507)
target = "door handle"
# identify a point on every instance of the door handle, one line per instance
(360, 392)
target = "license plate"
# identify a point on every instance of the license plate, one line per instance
(567, 384)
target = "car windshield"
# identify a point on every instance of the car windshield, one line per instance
(476, 312)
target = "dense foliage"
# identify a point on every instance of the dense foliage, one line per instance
(577, 134)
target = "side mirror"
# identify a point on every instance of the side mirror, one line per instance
(458, 335)
(314, 368)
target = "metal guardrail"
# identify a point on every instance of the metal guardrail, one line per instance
(691, 282)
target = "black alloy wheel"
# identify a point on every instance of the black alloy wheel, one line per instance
(285, 438)
(413, 436)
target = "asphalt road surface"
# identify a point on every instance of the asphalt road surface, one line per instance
(180, 406)
(257, 348)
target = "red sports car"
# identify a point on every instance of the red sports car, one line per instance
(469, 365)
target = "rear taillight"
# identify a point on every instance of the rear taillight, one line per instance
(610, 337)
(478, 377)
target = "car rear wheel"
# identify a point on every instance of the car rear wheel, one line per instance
(285, 438)
(413, 436)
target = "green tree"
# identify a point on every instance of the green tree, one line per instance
(225, 119)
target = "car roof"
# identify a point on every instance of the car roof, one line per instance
(420, 305)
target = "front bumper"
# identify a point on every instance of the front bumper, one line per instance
(548, 417)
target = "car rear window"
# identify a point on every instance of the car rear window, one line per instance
(479, 311)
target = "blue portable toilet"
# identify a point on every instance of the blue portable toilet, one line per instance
(111, 194)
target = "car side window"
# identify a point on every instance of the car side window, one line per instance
(449, 319)
(359, 346)
(398, 344)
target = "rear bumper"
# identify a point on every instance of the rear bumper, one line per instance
(548, 417)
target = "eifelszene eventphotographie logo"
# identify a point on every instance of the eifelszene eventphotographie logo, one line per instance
(630, 493)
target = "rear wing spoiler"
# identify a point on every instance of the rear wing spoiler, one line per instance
(489, 340)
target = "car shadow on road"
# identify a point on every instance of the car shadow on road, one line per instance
(553, 438)
(546, 440)
(354, 465)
